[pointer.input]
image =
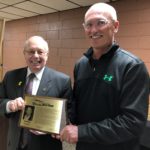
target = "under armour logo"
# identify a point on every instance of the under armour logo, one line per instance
(108, 78)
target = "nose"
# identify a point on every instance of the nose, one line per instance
(94, 28)
(36, 53)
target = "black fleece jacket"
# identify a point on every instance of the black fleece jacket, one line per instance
(110, 100)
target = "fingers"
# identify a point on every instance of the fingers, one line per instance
(69, 134)
(63, 135)
(56, 136)
(17, 104)
(37, 132)
(20, 103)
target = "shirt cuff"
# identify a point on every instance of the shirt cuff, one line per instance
(7, 108)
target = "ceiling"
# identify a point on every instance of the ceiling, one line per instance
(17, 9)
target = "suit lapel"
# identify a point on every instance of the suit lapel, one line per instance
(45, 83)
(20, 82)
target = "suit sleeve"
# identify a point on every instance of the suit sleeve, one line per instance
(3, 96)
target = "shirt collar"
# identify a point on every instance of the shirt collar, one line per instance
(37, 74)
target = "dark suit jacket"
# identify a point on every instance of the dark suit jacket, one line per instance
(53, 83)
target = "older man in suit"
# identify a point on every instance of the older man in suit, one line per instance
(47, 82)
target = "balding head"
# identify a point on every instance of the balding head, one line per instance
(103, 8)
(36, 39)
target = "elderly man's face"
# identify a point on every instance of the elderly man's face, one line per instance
(35, 55)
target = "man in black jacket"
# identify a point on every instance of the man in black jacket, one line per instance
(111, 89)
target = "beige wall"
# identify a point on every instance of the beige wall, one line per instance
(66, 39)
(62, 30)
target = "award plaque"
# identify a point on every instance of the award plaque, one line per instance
(46, 114)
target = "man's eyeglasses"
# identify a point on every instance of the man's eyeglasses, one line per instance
(33, 52)
(98, 23)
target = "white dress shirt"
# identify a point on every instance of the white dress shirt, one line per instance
(36, 80)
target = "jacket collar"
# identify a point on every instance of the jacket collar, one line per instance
(109, 53)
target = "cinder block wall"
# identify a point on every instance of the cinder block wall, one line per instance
(66, 39)
(134, 32)
(65, 35)
(63, 31)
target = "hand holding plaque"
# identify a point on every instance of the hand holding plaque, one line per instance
(46, 114)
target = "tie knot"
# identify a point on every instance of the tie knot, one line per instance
(31, 76)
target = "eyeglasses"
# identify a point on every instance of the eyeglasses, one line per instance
(33, 52)
(98, 23)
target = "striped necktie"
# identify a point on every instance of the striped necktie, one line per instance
(29, 85)
(24, 137)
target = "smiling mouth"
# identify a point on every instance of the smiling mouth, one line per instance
(96, 36)
(36, 62)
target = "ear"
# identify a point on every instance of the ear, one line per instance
(116, 26)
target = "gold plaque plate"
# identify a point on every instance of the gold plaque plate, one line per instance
(46, 114)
